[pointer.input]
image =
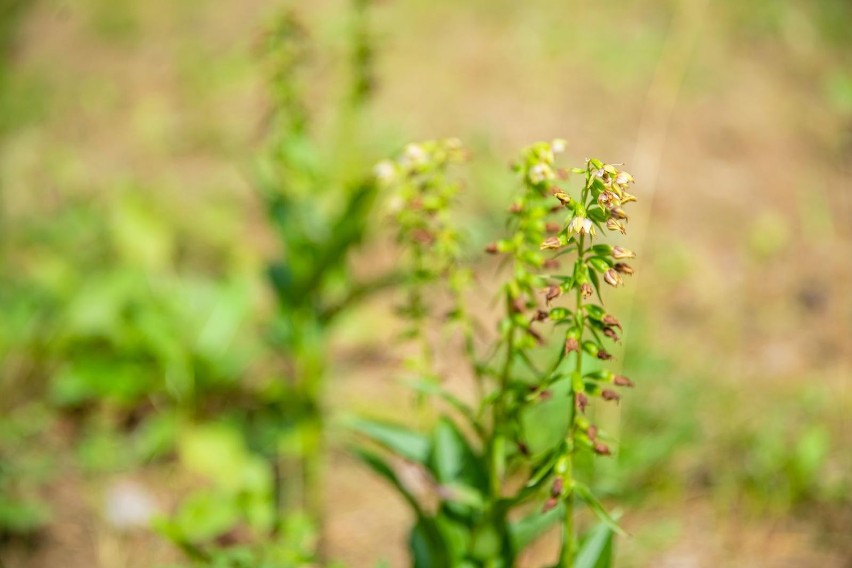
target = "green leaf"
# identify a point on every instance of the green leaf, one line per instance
(546, 423)
(453, 460)
(428, 547)
(585, 494)
(381, 467)
(405, 443)
(596, 548)
(526, 530)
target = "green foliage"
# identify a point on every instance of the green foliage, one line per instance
(537, 426)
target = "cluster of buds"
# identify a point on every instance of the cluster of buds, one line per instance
(422, 193)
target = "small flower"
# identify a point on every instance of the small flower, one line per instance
(618, 213)
(627, 197)
(612, 278)
(614, 225)
(582, 226)
(611, 333)
(611, 320)
(618, 253)
(558, 145)
(540, 173)
(563, 198)
(549, 504)
(571, 344)
(385, 172)
(622, 381)
(623, 178)
(603, 355)
(582, 401)
(552, 293)
(586, 290)
(608, 199)
(557, 487)
(413, 156)
(623, 268)
(592, 432)
(608, 394)
(550, 243)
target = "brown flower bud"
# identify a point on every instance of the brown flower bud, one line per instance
(612, 278)
(552, 293)
(549, 504)
(592, 432)
(518, 305)
(581, 400)
(423, 236)
(603, 355)
(619, 253)
(563, 198)
(609, 332)
(610, 319)
(608, 394)
(550, 264)
(522, 447)
(516, 208)
(571, 344)
(614, 225)
(602, 449)
(624, 268)
(545, 395)
(550, 243)
(491, 248)
(622, 381)
(553, 227)
(540, 315)
(557, 487)
(586, 290)
(618, 213)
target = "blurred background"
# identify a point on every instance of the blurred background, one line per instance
(133, 301)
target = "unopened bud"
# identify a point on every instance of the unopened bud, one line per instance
(552, 227)
(608, 394)
(571, 344)
(586, 290)
(549, 504)
(552, 293)
(610, 319)
(423, 236)
(619, 253)
(563, 198)
(516, 208)
(550, 264)
(582, 401)
(614, 225)
(491, 248)
(557, 487)
(602, 449)
(540, 315)
(609, 332)
(522, 447)
(518, 305)
(603, 355)
(627, 197)
(622, 381)
(592, 432)
(612, 277)
(618, 213)
(624, 268)
(550, 243)
(545, 395)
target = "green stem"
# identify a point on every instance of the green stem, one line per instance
(498, 411)
(569, 534)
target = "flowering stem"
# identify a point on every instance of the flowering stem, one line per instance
(569, 537)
